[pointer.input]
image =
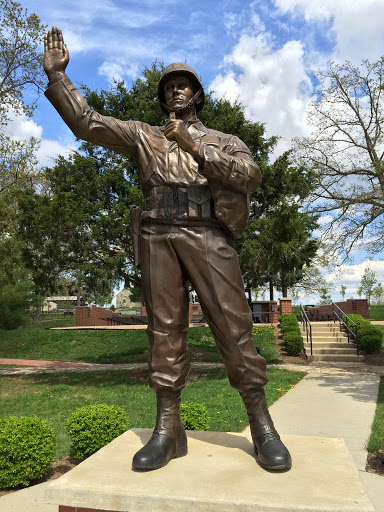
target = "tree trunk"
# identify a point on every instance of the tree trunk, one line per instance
(270, 289)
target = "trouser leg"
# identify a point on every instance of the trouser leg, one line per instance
(166, 300)
(212, 266)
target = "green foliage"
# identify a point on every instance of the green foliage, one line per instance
(27, 448)
(194, 416)
(93, 426)
(90, 242)
(16, 295)
(21, 36)
(55, 396)
(376, 439)
(367, 283)
(292, 338)
(369, 337)
(376, 312)
(293, 343)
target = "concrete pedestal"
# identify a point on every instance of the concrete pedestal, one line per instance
(219, 474)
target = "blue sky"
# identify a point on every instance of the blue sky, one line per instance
(264, 53)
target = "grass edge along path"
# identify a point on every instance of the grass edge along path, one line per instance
(375, 442)
(54, 396)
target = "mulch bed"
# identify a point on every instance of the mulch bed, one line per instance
(375, 463)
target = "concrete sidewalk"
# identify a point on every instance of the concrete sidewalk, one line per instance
(326, 403)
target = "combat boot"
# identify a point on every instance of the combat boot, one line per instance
(270, 451)
(168, 440)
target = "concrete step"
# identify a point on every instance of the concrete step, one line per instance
(327, 339)
(336, 358)
(332, 351)
(329, 345)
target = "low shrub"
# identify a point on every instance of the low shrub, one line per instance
(293, 343)
(194, 416)
(290, 328)
(369, 337)
(27, 448)
(93, 426)
(288, 318)
(370, 343)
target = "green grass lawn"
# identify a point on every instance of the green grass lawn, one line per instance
(376, 312)
(54, 396)
(376, 440)
(106, 346)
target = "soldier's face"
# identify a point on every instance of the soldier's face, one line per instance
(178, 90)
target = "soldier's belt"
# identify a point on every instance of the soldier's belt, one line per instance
(192, 202)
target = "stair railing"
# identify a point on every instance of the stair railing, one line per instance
(344, 321)
(306, 325)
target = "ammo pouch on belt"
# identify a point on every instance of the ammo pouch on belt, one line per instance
(188, 203)
(200, 204)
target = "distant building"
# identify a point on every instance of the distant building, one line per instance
(123, 300)
(52, 303)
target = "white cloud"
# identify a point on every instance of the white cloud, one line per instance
(49, 150)
(273, 85)
(351, 275)
(20, 127)
(357, 24)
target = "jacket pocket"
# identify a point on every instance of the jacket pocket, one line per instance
(199, 202)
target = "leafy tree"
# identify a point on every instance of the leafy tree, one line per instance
(345, 154)
(79, 229)
(378, 293)
(343, 291)
(21, 34)
(367, 283)
(91, 194)
(278, 243)
(325, 295)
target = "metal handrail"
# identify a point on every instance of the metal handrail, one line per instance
(307, 325)
(347, 325)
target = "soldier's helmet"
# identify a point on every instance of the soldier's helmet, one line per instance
(177, 68)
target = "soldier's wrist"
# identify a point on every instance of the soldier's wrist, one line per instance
(55, 76)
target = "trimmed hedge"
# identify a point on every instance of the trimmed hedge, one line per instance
(292, 338)
(369, 337)
(93, 426)
(27, 448)
(194, 416)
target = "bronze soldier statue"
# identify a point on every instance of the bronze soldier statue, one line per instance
(196, 183)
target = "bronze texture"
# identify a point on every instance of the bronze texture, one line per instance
(196, 183)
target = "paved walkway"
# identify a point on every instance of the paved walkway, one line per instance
(331, 401)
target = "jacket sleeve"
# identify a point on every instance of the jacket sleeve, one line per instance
(231, 164)
(87, 124)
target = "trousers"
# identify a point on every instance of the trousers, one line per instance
(205, 256)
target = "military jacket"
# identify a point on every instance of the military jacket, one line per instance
(228, 168)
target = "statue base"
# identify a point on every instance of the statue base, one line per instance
(219, 474)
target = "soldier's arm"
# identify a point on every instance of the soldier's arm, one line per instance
(231, 165)
(80, 118)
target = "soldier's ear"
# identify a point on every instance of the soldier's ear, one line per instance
(199, 96)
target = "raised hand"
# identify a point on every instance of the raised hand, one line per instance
(56, 56)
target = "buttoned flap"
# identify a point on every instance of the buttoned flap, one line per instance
(199, 201)
(199, 194)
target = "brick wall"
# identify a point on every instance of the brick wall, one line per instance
(350, 306)
(285, 306)
(83, 316)
(93, 316)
